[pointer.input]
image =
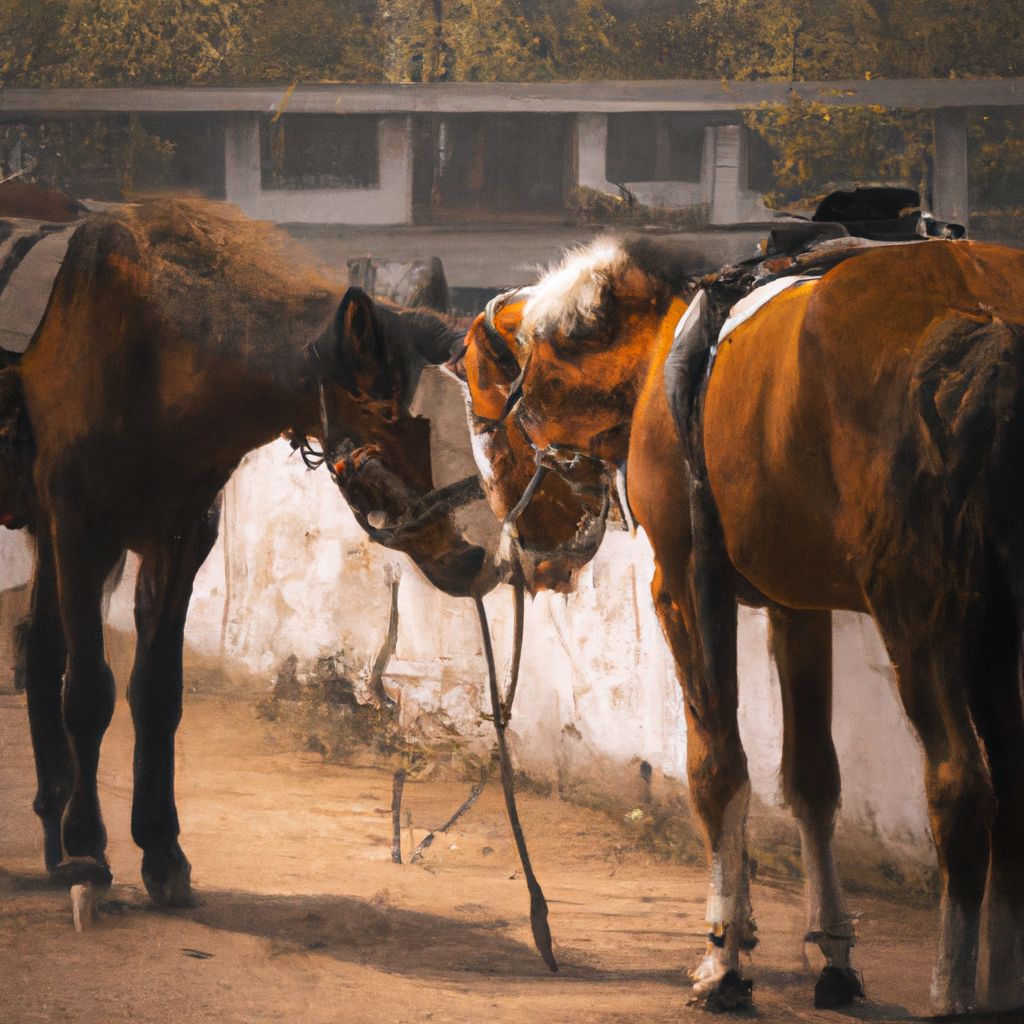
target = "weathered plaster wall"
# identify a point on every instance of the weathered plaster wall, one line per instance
(293, 574)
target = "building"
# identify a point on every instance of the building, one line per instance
(477, 152)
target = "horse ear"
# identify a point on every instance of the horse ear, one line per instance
(360, 346)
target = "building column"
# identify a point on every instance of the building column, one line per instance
(592, 152)
(949, 159)
(242, 179)
(724, 172)
(396, 168)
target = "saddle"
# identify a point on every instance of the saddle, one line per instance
(845, 225)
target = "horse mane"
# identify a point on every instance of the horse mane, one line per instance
(201, 239)
(435, 337)
(570, 298)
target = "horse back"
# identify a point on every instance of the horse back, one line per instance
(813, 431)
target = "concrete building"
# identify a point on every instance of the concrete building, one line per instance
(479, 152)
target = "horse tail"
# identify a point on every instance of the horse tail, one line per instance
(967, 401)
(112, 582)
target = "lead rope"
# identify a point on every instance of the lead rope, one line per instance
(500, 713)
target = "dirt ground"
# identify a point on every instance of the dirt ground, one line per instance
(303, 918)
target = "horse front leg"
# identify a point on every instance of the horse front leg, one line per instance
(802, 647)
(162, 595)
(45, 655)
(84, 559)
(719, 785)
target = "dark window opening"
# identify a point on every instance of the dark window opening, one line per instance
(179, 152)
(760, 163)
(656, 147)
(475, 165)
(307, 151)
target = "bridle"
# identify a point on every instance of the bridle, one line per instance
(561, 459)
(418, 515)
(313, 457)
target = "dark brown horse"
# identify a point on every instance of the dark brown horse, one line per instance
(179, 336)
(861, 449)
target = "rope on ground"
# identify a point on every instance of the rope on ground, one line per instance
(538, 905)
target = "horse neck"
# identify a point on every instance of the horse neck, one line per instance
(650, 345)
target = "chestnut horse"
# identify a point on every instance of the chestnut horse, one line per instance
(179, 336)
(860, 449)
(562, 526)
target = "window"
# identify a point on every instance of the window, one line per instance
(656, 147)
(308, 151)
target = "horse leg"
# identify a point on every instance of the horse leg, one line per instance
(998, 714)
(155, 693)
(44, 659)
(802, 646)
(84, 559)
(932, 669)
(718, 780)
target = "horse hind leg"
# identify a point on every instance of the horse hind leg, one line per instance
(44, 655)
(802, 647)
(162, 596)
(932, 671)
(996, 703)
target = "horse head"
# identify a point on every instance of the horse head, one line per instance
(547, 540)
(370, 360)
(587, 333)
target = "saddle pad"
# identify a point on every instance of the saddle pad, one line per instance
(29, 261)
(750, 304)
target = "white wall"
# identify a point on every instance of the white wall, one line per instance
(722, 188)
(389, 203)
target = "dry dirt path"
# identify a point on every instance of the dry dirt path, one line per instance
(307, 921)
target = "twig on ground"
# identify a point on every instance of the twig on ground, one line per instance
(397, 784)
(425, 842)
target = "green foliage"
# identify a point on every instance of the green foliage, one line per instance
(117, 42)
(819, 147)
(319, 40)
(164, 42)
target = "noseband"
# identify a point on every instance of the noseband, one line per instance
(426, 510)
(560, 459)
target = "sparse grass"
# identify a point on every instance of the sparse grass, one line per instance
(592, 206)
(326, 711)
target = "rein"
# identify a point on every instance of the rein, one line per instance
(558, 459)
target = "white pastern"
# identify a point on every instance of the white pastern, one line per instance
(728, 911)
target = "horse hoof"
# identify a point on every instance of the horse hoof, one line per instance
(168, 878)
(837, 986)
(730, 994)
(82, 871)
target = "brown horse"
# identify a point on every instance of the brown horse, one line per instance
(179, 336)
(861, 448)
(561, 528)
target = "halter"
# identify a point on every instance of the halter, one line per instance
(421, 513)
(562, 460)
(559, 458)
